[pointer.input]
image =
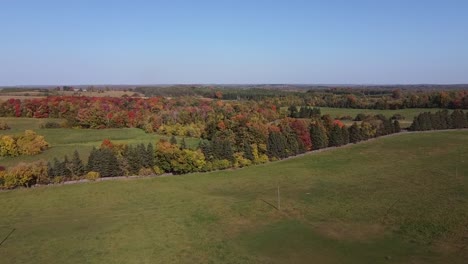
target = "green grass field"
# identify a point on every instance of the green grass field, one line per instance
(64, 141)
(409, 113)
(400, 199)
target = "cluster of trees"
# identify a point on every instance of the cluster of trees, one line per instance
(28, 143)
(182, 116)
(66, 168)
(326, 132)
(379, 97)
(225, 145)
(440, 120)
(304, 112)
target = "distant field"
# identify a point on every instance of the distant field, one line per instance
(64, 141)
(408, 113)
(401, 199)
(99, 94)
(19, 96)
(31, 94)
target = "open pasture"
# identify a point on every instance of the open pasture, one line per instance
(401, 199)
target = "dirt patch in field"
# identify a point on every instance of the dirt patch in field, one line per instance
(351, 231)
(453, 245)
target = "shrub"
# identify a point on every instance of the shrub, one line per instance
(58, 179)
(157, 170)
(4, 126)
(240, 161)
(92, 176)
(347, 117)
(361, 117)
(27, 144)
(145, 172)
(31, 144)
(220, 164)
(24, 174)
(397, 117)
(52, 125)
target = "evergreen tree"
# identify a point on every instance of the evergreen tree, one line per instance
(91, 165)
(396, 126)
(292, 111)
(108, 163)
(133, 160)
(318, 135)
(425, 121)
(336, 137)
(76, 165)
(183, 145)
(292, 142)
(149, 156)
(228, 152)
(206, 148)
(222, 149)
(248, 153)
(173, 140)
(345, 135)
(141, 154)
(385, 127)
(66, 167)
(458, 119)
(276, 147)
(445, 119)
(316, 112)
(436, 121)
(415, 125)
(50, 170)
(354, 133)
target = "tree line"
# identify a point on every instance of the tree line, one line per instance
(222, 148)
(440, 120)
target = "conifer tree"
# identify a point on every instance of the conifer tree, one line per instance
(66, 167)
(50, 170)
(133, 160)
(248, 153)
(276, 147)
(183, 145)
(206, 148)
(150, 155)
(396, 126)
(345, 135)
(458, 119)
(173, 140)
(109, 165)
(292, 111)
(141, 154)
(354, 133)
(91, 165)
(336, 137)
(318, 135)
(76, 165)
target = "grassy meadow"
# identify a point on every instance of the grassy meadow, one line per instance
(408, 113)
(64, 141)
(400, 199)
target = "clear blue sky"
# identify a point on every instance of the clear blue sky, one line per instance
(160, 42)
